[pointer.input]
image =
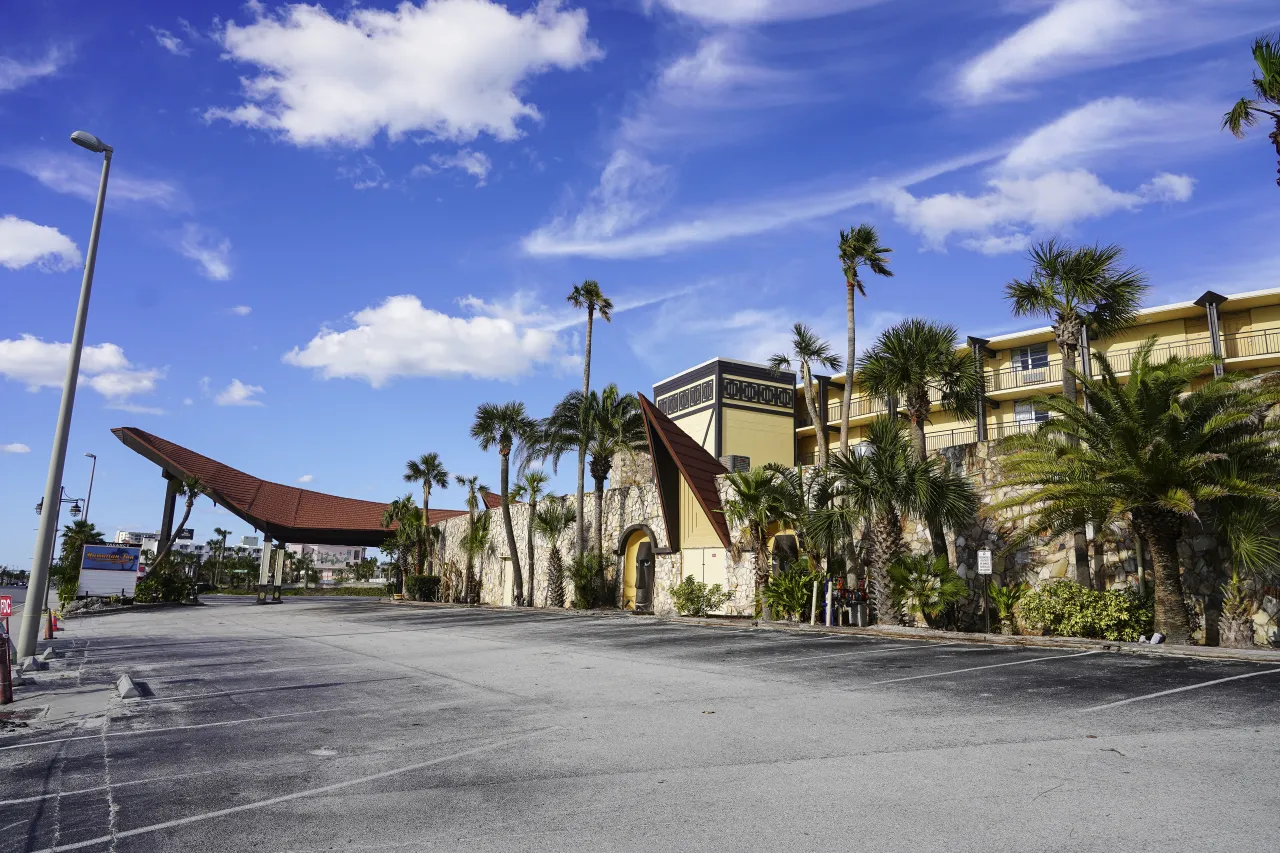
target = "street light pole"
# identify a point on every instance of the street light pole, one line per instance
(30, 630)
(89, 496)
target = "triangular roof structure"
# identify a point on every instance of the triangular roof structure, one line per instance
(284, 513)
(697, 468)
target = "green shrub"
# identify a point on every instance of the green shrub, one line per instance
(694, 598)
(1068, 609)
(422, 587)
(164, 583)
(589, 587)
(789, 593)
(1004, 599)
(925, 583)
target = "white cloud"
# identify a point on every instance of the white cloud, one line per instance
(24, 243)
(242, 310)
(305, 478)
(103, 367)
(212, 253)
(16, 447)
(474, 163)
(134, 408)
(1002, 219)
(14, 73)
(187, 401)
(1102, 127)
(1075, 35)
(448, 68)
(402, 338)
(757, 11)
(79, 176)
(365, 174)
(169, 42)
(238, 394)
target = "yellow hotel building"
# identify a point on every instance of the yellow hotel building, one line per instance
(746, 416)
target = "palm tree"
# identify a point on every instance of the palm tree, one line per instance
(1075, 287)
(476, 543)
(474, 490)
(809, 349)
(859, 247)
(502, 426)
(530, 488)
(913, 362)
(554, 517)
(222, 550)
(190, 488)
(428, 470)
(757, 502)
(398, 514)
(617, 427)
(1152, 450)
(589, 296)
(75, 536)
(884, 487)
(1266, 88)
(803, 493)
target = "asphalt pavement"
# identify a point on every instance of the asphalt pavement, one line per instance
(348, 724)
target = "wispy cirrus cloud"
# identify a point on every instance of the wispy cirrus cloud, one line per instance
(757, 11)
(211, 252)
(79, 177)
(16, 73)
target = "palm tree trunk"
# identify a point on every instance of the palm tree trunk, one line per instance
(164, 552)
(582, 450)
(426, 524)
(517, 579)
(820, 444)
(1275, 140)
(1070, 357)
(762, 573)
(466, 576)
(886, 544)
(533, 513)
(555, 578)
(599, 532)
(1161, 533)
(848, 370)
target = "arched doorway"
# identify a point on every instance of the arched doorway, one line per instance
(637, 570)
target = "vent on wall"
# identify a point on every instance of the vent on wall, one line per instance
(736, 464)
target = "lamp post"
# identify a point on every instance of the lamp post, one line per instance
(57, 525)
(39, 579)
(88, 497)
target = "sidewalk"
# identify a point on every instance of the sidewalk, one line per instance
(1255, 655)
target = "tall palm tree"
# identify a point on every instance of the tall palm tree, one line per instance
(618, 427)
(530, 488)
(75, 536)
(554, 517)
(475, 489)
(809, 349)
(859, 247)
(755, 504)
(1152, 450)
(222, 550)
(1266, 89)
(503, 426)
(190, 489)
(428, 470)
(803, 493)
(913, 362)
(884, 487)
(400, 513)
(1074, 287)
(589, 296)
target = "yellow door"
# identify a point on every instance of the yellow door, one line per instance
(629, 570)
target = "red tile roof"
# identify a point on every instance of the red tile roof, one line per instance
(285, 513)
(698, 467)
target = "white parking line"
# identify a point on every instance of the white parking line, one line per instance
(975, 668)
(1180, 690)
(297, 795)
(113, 785)
(858, 651)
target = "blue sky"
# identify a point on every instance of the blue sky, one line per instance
(333, 230)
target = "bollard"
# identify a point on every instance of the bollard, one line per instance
(48, 625)
(6, 669)
(829, 604)
(813, 609)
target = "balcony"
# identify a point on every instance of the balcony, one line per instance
(1251, 344)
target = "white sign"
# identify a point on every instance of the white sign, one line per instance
(984, 561)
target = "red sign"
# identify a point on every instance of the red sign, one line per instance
(6, 606)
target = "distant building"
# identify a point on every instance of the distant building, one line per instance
(185, 543)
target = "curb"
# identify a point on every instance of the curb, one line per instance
(896, 632)
(126, 688)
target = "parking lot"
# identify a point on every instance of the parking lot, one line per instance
(347, 724)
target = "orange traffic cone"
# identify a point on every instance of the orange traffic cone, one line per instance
(54, 616)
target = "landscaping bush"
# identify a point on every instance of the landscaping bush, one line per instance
(1004, 599)
(924, 583)
(694, 598)
(589, 588)
(422, 587)
(1068, 609)
(789, 592)
(164, 583)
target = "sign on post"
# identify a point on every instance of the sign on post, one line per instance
(109, 570)
(984, 561)
(6, 606)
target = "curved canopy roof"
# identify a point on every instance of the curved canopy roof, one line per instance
(283, 513)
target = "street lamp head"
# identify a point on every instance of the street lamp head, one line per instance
(87, 140)
(75, 509)
(39, 506)
(91, 455)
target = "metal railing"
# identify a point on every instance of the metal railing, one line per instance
(969, 435)
(1250, 344)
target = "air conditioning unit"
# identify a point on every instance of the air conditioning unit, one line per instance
(736, 464)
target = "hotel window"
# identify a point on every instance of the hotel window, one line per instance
(1029, 413)
(1034, 357)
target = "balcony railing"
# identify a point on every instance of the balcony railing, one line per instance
(1250, 344)
(1009, 378)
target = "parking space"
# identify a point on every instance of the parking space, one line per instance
(350, 724)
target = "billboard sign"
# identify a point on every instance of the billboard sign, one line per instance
(185, 533)
(109, 570)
